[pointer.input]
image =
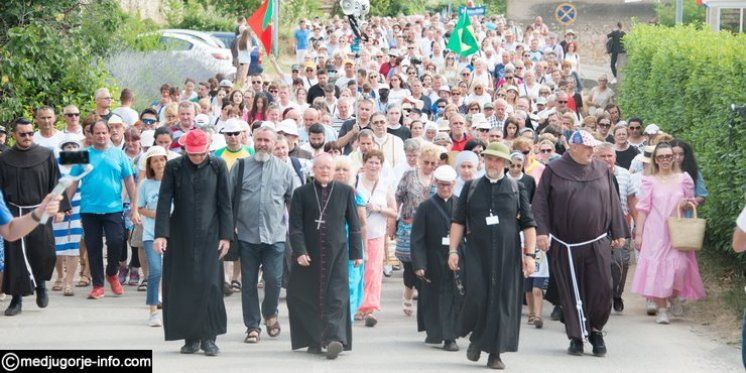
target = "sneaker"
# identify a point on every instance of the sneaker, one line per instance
(387, 270)
(155, 320)
(134, 277)
(116, 286)
(596, 338)
(96, 293)
(677, 307)
(576, 347)
(662, 317)
(122, 274)
(650, 307)
(556, 313)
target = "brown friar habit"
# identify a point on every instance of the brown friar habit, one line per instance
(577, 203)
(26, 177)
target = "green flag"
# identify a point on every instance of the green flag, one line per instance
(463, 41)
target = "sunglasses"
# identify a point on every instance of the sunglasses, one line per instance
(508, 77)
(25, 134)
(379, 122)
(72, 115)
(231, 134)
(256, 82)
(273, 91)
(483, 130)
(664, 157)
(516, 166)
(464, 74)
(635, 128)
(526, 152)
(546, 151)
(148, 122)
(562, 101)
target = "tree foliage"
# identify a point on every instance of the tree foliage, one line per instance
(51, 51)
(685, 80)
(693, 13)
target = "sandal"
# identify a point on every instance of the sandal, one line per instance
(68, 292)
(531, 319)
(273, 330)
(83, 282)
(236, 286)
(407, 306)
(252, 337)
(143, 285)
(57, 285)
(538, 323)
(359, 316)
(370, 321)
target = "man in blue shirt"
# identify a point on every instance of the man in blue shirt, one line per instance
(301, 40)
(101, 207)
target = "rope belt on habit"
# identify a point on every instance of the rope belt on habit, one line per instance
(578, 301)
(23, 241)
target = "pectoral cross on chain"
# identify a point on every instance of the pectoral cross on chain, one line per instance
(319, 221)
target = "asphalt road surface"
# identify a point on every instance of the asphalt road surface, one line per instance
(635, 342)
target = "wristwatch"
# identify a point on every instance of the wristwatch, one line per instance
(532, 255)
(36, 218)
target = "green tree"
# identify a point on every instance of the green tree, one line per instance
(693, 13)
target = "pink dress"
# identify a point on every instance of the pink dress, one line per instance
(661, 269)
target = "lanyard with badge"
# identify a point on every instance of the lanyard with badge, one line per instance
(492, 219)
(445, 241)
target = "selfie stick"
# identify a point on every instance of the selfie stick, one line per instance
(62, 185)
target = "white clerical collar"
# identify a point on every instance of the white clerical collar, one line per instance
(493, 181)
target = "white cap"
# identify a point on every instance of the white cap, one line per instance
(233, 125)
(651, 129)
(147, 138)
(478, 119)
(288, 127)
(71, 138)
(218, 142)
(115, 119)
(444, 87)
(226, 83)
(445, 173)
(201, 120)
(266, 123)
(155, 151)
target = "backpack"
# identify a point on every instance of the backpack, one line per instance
(609, 44)
(297, 167)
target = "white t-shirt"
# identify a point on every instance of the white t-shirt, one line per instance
(376, 222)
(129, 116)
(741, 221)
(52, 143)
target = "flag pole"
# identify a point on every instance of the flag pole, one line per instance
(276, 29)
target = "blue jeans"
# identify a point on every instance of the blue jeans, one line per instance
(155, 265)
(270, 257)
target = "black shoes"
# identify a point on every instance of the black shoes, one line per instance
(450, 345)
(576, 347)
(596, 339)
(556, 313)
(14, 307)
(618, 305)
(190, 346)
(473, 352)
(42, 300)
(209, 347)
(333, 350)
(315, 350)
(494, 362)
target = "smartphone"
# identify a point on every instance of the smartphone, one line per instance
(74, 157)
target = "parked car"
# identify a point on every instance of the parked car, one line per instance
(214, 58)
(226, 37)
(202, 36)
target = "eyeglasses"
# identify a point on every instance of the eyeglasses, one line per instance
(516, 166)
(72, 115)
(604, 124)
(441, 107)
(464, 74)
(231, 134)
(256, 82)
(664, 157)
(508, 77)
(635, 128)
(546, 151)
(379, 122)
(309, 70)
(561, 101)
(25, 134)
(519, 68)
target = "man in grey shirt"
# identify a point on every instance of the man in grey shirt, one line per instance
(266, 190)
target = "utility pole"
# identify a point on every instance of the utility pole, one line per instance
(679, 12)
(276, 29)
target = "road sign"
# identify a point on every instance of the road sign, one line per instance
(565, 14)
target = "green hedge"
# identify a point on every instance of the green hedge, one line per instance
(685, 80)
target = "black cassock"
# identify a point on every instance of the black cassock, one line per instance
(438, 302)
(318, 296)
(492, 262)
(193, 305)
(26, 177)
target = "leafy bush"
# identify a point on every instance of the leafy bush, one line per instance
(685, 80)
(195, 15)
(693, 13)
(51, 53)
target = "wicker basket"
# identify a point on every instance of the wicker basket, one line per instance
(687, 234)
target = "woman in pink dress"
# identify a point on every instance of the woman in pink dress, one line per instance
(664, 274)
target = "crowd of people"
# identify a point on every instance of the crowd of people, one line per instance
(488, 180)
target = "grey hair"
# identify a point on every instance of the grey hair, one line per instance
(411, 145)
(367, 133)
(606, 146)
(266, 129)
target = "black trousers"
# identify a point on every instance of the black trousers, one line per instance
(95, 226)
(614, 56)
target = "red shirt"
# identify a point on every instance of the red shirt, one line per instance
(459, 145)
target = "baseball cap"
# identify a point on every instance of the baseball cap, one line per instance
(194, 141)
(541, 101)
(288, 127)
(232, 125)
(445, 173)
(70, 138)
(295, 67)
(442, 136)
(201, 120)
(583, 137)
(226, 83)
(488, 105)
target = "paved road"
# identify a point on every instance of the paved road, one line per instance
(635, 342)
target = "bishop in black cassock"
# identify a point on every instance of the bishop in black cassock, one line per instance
(318, 288)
